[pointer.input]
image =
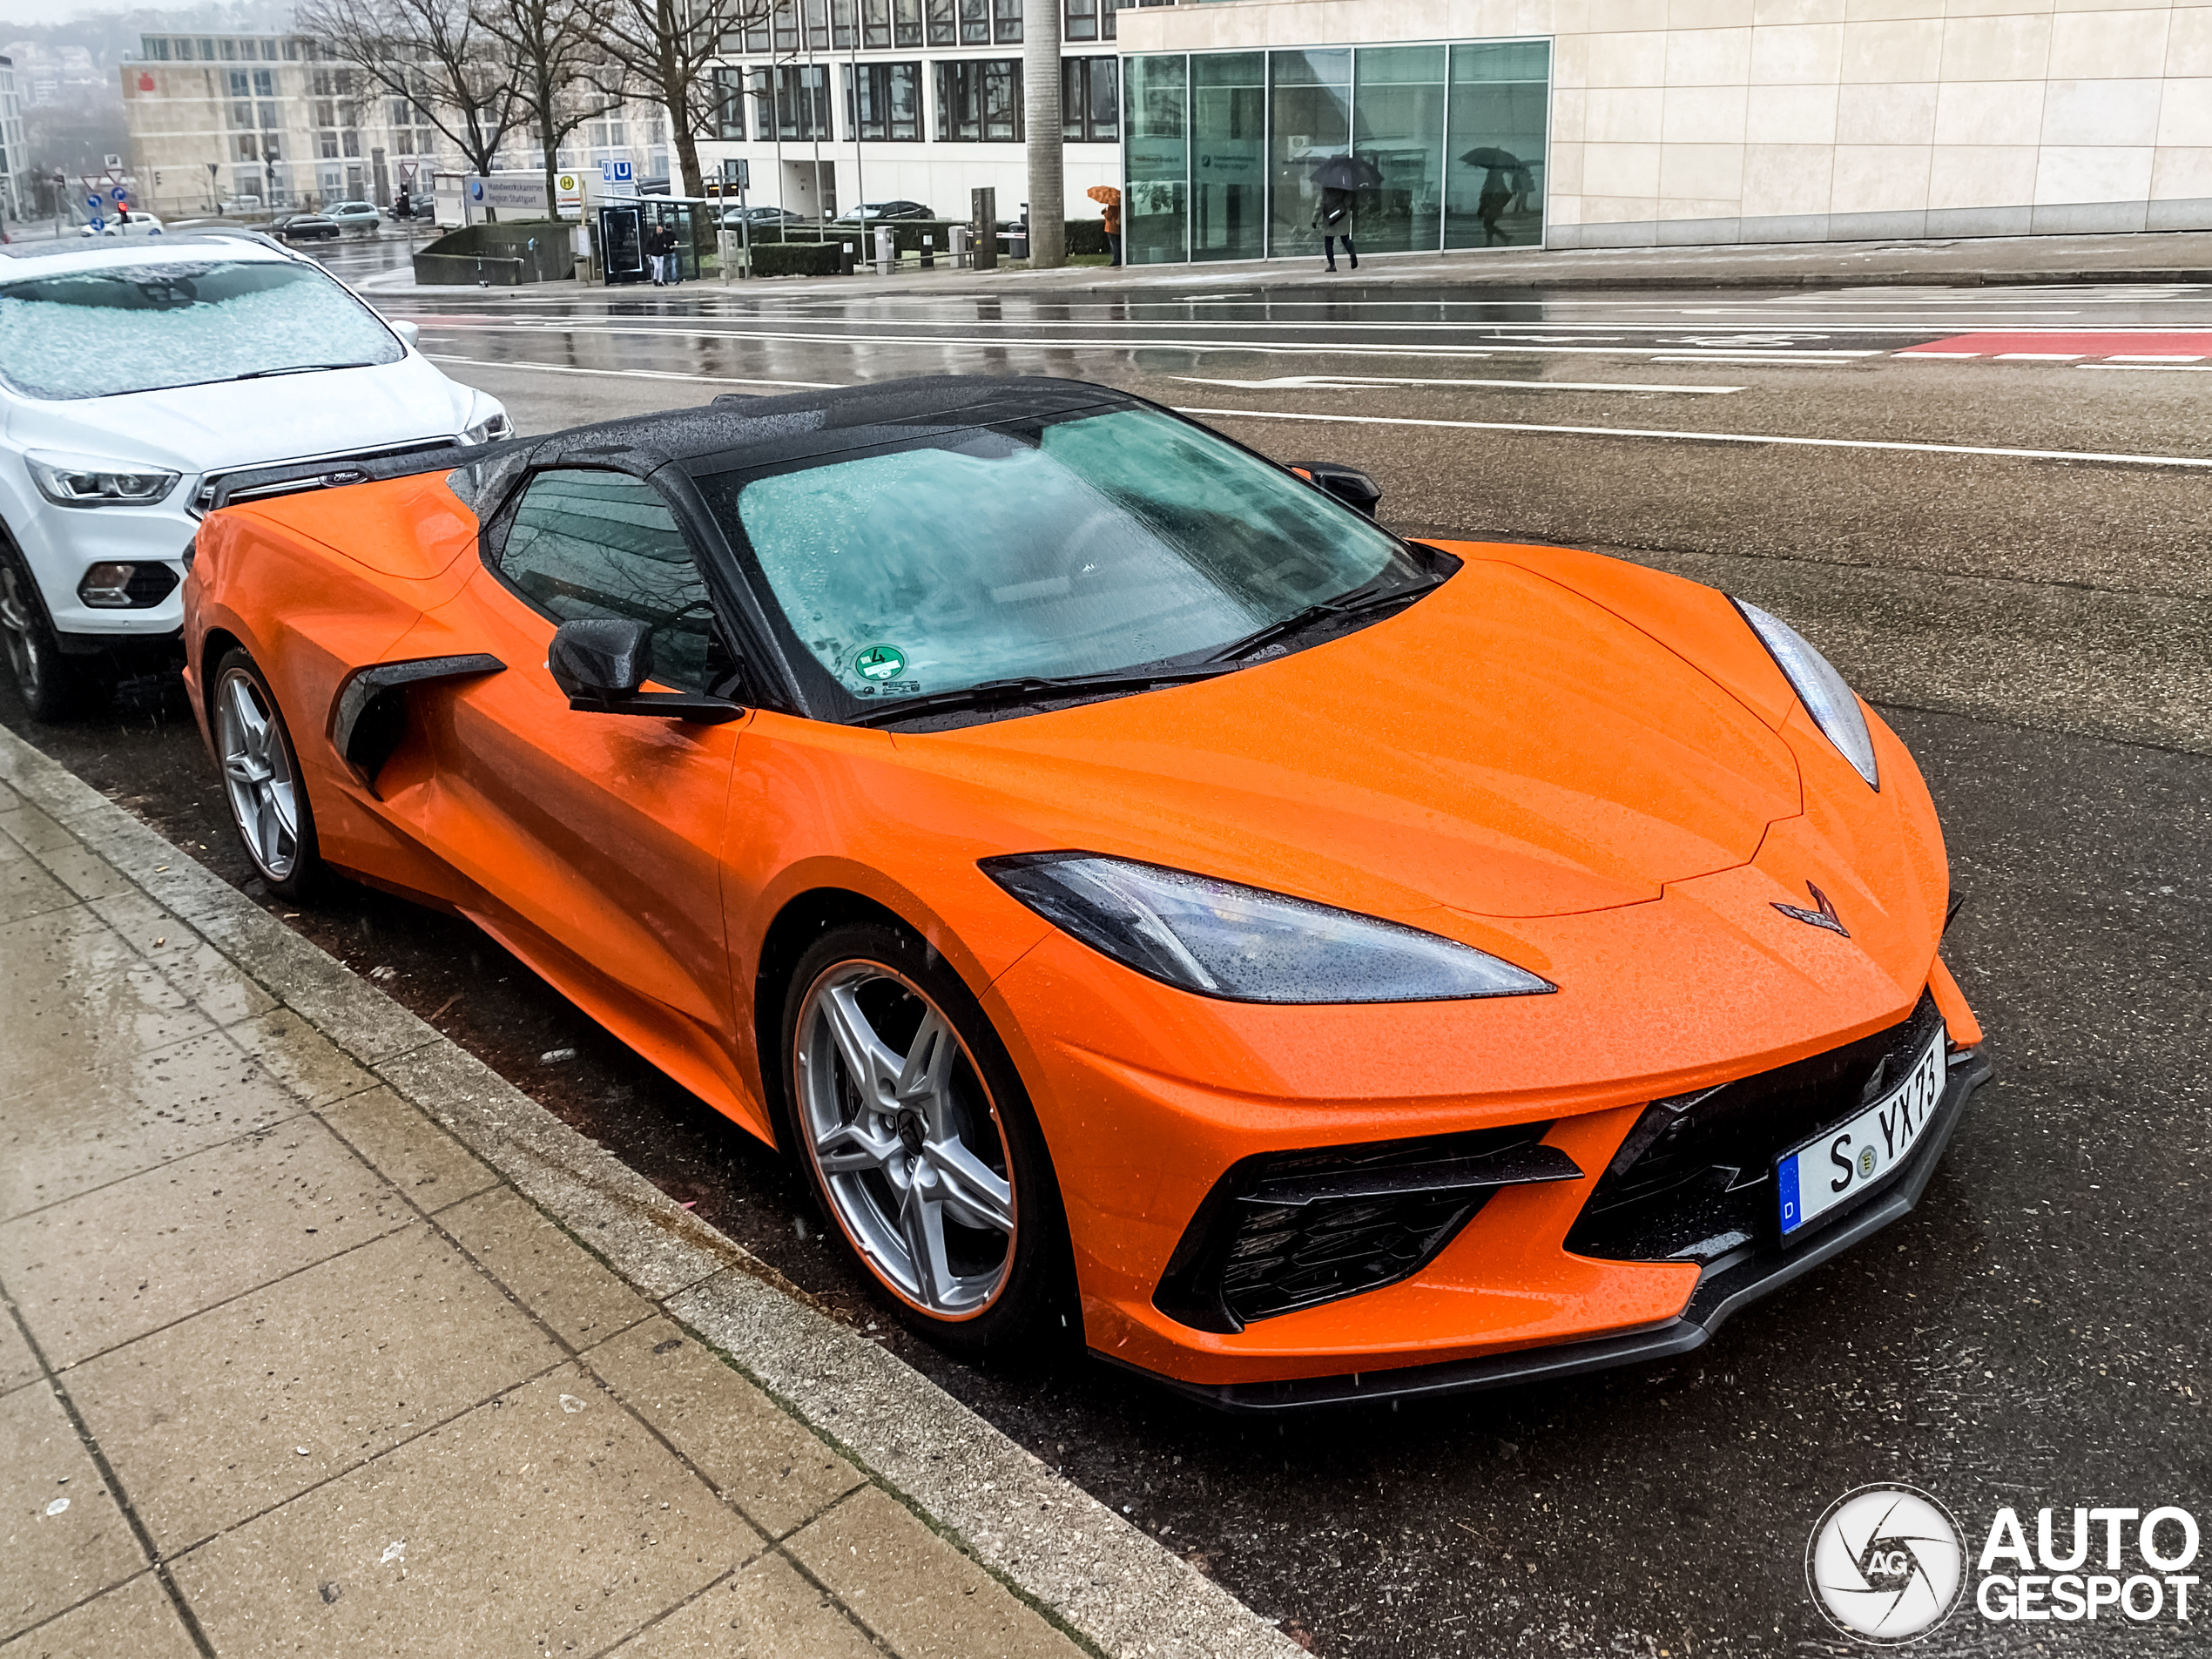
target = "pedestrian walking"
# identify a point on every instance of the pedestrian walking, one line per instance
(660, 251)
(1110, 200)
(1333, 218)
(1497, 192)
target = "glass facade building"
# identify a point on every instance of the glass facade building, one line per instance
(1222, 148)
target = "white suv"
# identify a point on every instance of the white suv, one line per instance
(132, 374)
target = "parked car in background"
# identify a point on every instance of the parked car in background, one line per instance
(132, 377)
(733, 217)
(883, 210)
(354, 216)
(304, 227)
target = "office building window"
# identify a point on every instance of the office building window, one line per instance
(729, 104)
(1080, 21)
(980, 101)
(802, 103)
(974, 22)
(841, 24)
(884, 101)
(1090, 100)
(245, 144)
(943, 29)
(156, 47)
(786, 25)
(1006, 21)
(875, 23)
(230, 50)
(906, 18)
(817, 34)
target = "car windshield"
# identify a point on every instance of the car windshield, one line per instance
(1072, 547)
(143, 328)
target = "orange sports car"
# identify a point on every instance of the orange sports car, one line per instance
(1135, 887)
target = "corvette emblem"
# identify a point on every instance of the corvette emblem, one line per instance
(1823, 917)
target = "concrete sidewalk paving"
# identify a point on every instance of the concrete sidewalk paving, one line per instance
(295, 1358)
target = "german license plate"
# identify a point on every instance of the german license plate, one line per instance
(1835, 1167)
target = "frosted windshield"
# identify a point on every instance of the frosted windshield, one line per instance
(1078, 547)
(141, 327)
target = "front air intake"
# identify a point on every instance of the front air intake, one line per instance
(1285, 1231)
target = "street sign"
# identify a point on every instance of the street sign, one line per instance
(94, 202)
(736, 175)
(97, 223)
(118, 195)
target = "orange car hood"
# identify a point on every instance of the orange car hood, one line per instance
(1505, 747)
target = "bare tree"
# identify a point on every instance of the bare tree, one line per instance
(435, 54)
(668, 50)
(565, 75)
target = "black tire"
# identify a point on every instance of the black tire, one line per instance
(54, 687)
(261, 778)
(1030, 1312)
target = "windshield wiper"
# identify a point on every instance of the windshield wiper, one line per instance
(1364, 598)
(296, 368)
(1033, 688)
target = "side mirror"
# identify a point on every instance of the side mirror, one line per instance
(410, 333)
(1348, 484)
(599, 664)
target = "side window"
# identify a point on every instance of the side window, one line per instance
(584, 544)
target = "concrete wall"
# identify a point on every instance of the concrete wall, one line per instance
(1700, 121)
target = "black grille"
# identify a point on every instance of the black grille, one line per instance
(1694, 1178)
(1285, 1231)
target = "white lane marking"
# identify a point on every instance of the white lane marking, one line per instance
(632, 373)
(538, 325)
(1357, 383)
(1915, 352)
(1807, 359)
(2040, 356)
(2155, 357)
(2155, 369)
(1716, 437)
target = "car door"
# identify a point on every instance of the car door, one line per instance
(595, 836)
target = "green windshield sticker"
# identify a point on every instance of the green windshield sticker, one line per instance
(881, 663)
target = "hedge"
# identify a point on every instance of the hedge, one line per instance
(797, 258)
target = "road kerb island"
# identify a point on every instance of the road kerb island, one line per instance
(1089, 1572)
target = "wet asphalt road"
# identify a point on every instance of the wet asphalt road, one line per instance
(2034, 627)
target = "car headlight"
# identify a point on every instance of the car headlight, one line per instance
(1834, 708)
(493, 428)
(1244, 944)
(68, 481)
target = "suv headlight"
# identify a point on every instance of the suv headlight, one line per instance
(1834, 708)
(1244, 944)
(68, 481)
(493, 428)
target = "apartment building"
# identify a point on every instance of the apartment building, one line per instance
(259, 119)
(15, 189)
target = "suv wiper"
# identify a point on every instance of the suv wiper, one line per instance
(296, 368)
(1364, 598)
(1037, 688)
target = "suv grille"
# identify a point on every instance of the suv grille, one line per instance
(1285, 1231)
(1694, 1178)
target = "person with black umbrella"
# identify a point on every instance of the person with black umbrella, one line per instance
(1341, 178)
(1503, 172)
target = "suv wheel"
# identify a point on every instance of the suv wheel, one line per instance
(52, 686)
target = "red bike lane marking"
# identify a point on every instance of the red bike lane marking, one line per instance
(2103, 343)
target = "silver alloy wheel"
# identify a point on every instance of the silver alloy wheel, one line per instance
(257, 774)
(903, 1131)
(19, 628)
